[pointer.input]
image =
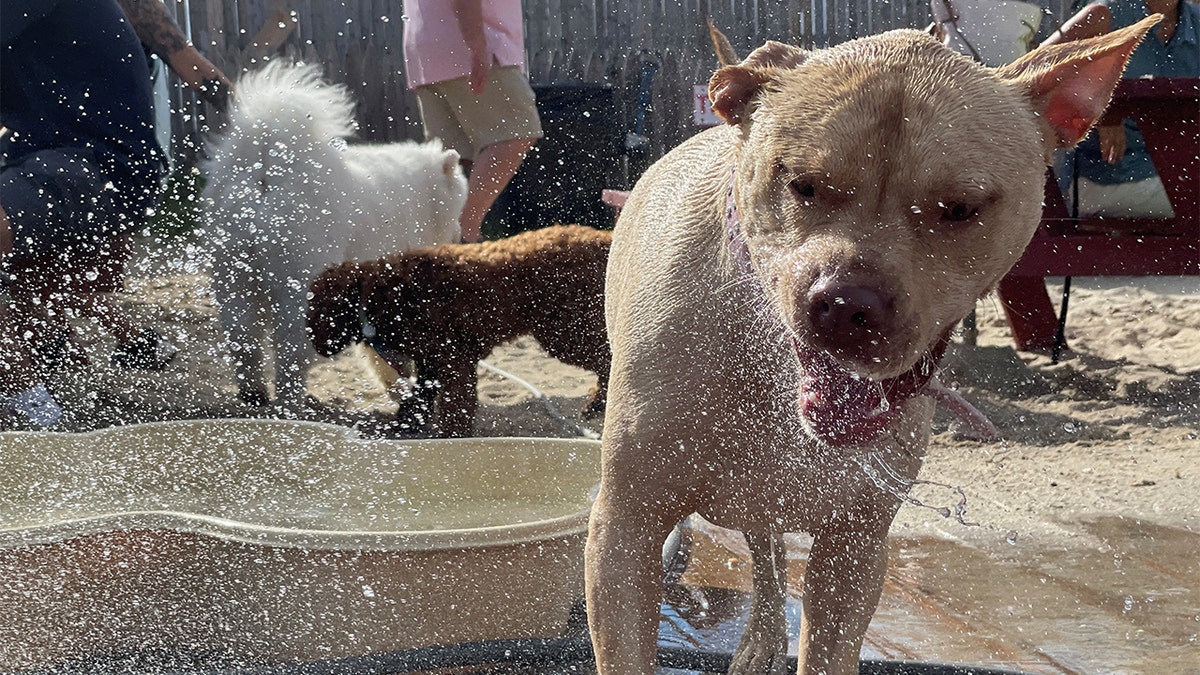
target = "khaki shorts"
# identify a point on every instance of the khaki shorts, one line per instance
(505, 111)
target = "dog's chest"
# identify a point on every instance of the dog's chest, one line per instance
(777, 478)
(780, 490)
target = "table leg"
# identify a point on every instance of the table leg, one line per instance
(1030, 313)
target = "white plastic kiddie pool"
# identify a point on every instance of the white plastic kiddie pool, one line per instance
(280, 541)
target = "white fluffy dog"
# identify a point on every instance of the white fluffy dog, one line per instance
(287, 196)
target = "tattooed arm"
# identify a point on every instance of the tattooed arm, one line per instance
(158, 31)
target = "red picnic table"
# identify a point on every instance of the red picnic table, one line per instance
(1167, 111)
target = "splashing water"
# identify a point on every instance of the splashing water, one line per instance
(885, 478)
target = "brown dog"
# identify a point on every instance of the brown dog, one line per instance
(779, 293)
(449, 306)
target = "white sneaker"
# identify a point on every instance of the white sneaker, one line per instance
(34, 407)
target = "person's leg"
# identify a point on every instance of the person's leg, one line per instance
(493, 168)
(500, 125)
(5, 234)
(23, 397)
(16, 367)
(67, 254)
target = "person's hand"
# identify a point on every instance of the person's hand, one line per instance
(481, 65)
(200, 74)
(1112, 142)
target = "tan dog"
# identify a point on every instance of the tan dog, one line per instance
(779, 292)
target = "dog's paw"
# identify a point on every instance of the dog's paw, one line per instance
(414, 416)
(254, 396)
(755, 657)
(592, 408)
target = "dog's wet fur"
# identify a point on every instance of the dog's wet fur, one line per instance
(287, 195)
(447, 307)
(878, 189)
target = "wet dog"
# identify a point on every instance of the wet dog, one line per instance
(287, 196)
(779, 293)
(449, 306)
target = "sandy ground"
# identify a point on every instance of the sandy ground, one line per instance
(1112, 430)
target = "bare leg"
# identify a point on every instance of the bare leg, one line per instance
(493, 168)
(16, 373)
(22, 394)
(5, 234)
(16, 368)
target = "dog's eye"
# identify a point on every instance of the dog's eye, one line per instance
(803, 189)
(957, 212)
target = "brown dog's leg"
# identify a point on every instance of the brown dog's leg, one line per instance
(763, 648)
(842, 585)
(624, 579)
(457, 399)
(597, 398)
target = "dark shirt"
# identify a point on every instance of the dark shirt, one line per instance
(73, 75)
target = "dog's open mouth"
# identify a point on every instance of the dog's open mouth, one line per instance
(842, 408)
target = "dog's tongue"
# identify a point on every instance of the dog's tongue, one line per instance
(842, 408)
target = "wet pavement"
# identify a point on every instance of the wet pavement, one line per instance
(1129, 604)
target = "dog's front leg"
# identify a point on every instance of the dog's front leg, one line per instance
(457, 396)
(414, 411)
(763, 648)
(842, 584)
(624, 578)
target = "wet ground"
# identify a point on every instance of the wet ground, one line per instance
(1130, 606)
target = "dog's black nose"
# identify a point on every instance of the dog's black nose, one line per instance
(850, 319)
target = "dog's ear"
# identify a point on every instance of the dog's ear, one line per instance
(333, 309)
(1071, 83)
(734, 89)
(726, 55)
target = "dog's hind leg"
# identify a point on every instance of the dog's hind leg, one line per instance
(763, 648)
(294, 351)
(242, 321)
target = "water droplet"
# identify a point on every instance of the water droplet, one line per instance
(1070, 427)
(1011, 537)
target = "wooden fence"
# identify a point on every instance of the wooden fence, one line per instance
(605, 42)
